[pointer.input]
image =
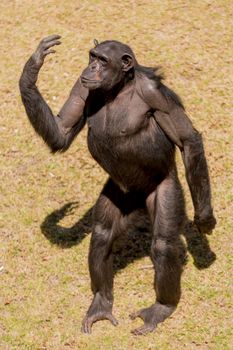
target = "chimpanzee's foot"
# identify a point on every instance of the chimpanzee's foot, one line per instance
(89, 320)
(151, 316)
(100, 309)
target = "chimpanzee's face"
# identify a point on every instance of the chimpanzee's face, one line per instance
(107, 67)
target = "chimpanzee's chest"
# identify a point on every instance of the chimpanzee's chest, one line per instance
(124, 138)
(126, 115)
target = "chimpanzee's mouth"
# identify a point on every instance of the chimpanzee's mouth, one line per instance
(90, 84)
(89, 81)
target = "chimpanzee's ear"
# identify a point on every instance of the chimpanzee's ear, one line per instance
(127, 62)
(96, 42)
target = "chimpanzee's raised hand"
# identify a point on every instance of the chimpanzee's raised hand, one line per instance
(44, 49)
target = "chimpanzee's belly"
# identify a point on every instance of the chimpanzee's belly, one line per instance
(136, 160)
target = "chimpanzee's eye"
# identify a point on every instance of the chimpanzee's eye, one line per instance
(103, 60)
(92, 56)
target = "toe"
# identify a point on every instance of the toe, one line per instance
(134, 315)
(143, 330)
(86, 326)
(112, 319)
(138, 331)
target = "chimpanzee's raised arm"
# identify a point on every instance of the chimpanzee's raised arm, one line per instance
(173, 120)
(57, 131)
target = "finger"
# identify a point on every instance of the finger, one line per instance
(48, 52)
(46, 46)
(51, 37)
(198, 229)
(209, 232)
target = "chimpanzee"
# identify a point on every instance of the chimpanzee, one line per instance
(134, 123)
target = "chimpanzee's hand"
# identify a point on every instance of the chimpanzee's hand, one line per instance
(44, 49)
(205, 224)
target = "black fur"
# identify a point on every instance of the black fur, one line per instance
(134, 122)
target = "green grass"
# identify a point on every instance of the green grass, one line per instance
(44, 280)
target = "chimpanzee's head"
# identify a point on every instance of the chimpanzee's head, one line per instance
(109, 63)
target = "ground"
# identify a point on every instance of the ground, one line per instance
(46, 200)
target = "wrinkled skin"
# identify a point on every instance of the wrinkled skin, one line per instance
(134, 123)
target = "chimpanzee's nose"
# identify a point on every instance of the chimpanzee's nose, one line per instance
(94, 66)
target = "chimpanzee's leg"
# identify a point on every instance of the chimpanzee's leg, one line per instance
(166, 208)
(107, 227)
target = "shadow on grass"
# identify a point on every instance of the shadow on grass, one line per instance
(198, 246)
(66, 237)
(135, 245)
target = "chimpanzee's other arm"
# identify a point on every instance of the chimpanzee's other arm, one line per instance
(172, 119)
(57, 131)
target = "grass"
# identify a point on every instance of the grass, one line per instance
(46, 200)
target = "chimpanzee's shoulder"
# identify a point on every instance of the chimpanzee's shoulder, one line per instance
(146, 88)
(152, 89)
